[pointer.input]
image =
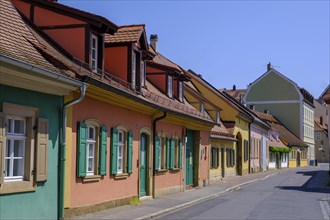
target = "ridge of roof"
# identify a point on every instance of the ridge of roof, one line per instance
(78, 12)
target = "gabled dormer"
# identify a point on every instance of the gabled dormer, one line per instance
(80, 33)
(125, 54)
(198, 101)
(167, 76)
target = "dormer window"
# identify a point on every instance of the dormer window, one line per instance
(143, 73)
(170, 86)
(202, 108)
(133, 70)
(180, 91)
(218, 118)
(94, 52)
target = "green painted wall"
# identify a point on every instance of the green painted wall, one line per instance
(41, 204)
(272, 87)
(287, 113)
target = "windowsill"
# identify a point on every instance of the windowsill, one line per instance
(91, 178)
(162, 170)
(121, 176)
(176, 169)
(16, 187)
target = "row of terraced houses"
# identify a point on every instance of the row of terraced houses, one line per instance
(92, 116)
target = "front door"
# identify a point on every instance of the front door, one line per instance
(298, 159)
(143, 164)
(190, 158)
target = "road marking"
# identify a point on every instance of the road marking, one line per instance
(325, 209)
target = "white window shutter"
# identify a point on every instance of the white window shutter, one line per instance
(42, 150)
(2, 146)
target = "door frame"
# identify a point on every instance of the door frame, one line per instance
(147, 132)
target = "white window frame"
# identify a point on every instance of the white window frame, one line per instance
(170, 86)
(218, 117)
(91, 142)
(133, 79)
(120, 151)
(160, 153)
(143, 73)
(11, 137)
(94, 50)
(180, 91)
(202, 108)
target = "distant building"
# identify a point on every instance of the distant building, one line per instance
(293, 106)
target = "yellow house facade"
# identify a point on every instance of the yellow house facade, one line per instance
(236, 121)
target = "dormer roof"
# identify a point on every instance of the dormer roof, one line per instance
(134, 33)
(99, 22)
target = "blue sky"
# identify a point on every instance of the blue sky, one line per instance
(231, 42)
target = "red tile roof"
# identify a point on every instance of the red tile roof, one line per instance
(20, 42)
(126, 34)
(98, 21)
(237, 94)
(284, 133)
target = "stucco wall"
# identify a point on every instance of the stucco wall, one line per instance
(42, 203)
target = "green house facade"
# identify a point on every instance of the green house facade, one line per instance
(293, 106)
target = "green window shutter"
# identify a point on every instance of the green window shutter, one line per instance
(157, 148)
(213, 157)
(42, 150)
(129, 151)
(114, 147)
(81, 149)
(233, 157)
(2, 146)
(103, 151)
(172, 156)
(180, 153)
(168, 152)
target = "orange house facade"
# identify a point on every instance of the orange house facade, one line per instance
(130, 134)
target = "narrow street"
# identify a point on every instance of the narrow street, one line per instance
(289, 195)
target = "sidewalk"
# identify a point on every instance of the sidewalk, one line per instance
(155, 207)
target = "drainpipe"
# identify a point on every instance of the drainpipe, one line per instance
(62, 150)
(154, 149)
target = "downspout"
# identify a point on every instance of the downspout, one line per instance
(154, 150)
(62, 150)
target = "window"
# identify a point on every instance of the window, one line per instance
(272, 157)
(91, 149)
(246, 150)
(143, 73)
(230, 157)
(180, 91)
(168, 153)
(215, 157)
(21, 135)
(121, 150)
(177, 155)
(94, 52)
(170, 86)
(318, 135)
(218, 117)
(134, 72)
(202, 108)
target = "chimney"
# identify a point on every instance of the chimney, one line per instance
(234, 87)
(266, 111)
(253, 107)
(269, 66)
(154, 41)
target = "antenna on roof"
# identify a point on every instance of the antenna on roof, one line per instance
(269, 66)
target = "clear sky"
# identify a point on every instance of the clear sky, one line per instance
(231, 42)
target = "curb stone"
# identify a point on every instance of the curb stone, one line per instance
(205, 198)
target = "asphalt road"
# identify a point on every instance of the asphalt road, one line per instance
(289, 195)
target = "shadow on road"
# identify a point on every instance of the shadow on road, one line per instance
(317, 183)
